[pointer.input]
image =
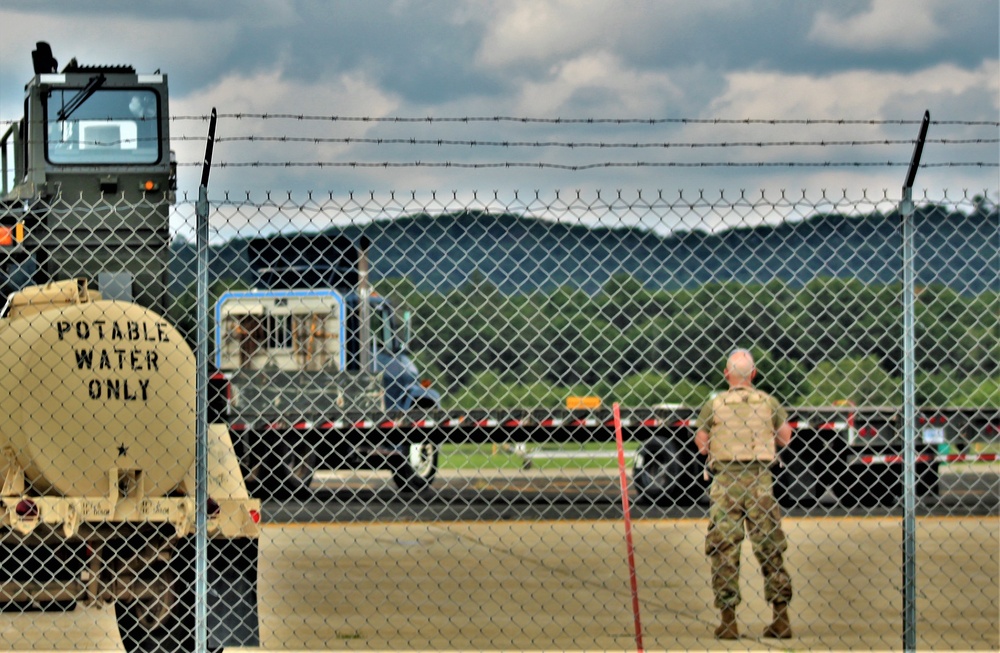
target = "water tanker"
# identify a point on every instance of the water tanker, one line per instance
(97, 388)
(69, 358)
(97, 503)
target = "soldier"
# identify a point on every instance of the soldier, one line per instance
(740, 431)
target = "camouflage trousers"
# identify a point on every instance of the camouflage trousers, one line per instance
(742, 497)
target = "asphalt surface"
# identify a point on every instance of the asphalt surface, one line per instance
(363, 496)
(531, 574)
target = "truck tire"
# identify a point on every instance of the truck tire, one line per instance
(57, 606)
(163, 623)
(176, 637)
(418, 466)
(928, 481)
(173, 637)
(846, 484)
(25, 565)
(280, 470)
(870, 485)
(796, 476)
(658, 474)
(173, 628)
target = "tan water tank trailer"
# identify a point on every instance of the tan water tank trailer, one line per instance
(70, 360)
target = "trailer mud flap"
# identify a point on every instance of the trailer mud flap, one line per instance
(232, 593)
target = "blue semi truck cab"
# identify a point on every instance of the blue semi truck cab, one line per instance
(311, 351)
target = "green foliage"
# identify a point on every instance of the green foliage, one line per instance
(983, 393)
(488, 390)
(183, 315)
(829, 340)
(832, 339)
(858, 380)
(652, 388)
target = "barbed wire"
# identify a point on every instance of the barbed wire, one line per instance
(349, 140)
(585, 144)
(564, 144)
(572, 121)
(589, 166)
(589, 121)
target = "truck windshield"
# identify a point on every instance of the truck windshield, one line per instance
(111, 126)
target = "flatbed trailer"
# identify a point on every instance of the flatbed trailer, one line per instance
(857, 452)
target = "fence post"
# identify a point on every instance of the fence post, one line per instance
(906, 210)
(201, 430)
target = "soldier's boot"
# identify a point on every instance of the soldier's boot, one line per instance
(728, 628)
(780, 628)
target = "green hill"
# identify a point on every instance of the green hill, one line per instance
(519, 254)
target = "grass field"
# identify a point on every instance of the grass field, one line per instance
(541, 456)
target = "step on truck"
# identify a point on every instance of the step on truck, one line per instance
(313, 355)
(98, 387)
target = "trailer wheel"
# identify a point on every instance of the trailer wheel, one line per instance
(66, 605)
(144, 631)
(928, 480)
(418, 468)
(658, 474)
(869, 486)
(280, 470)
(844, 482)
(796, 479)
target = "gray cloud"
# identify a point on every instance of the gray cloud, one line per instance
(541, 58)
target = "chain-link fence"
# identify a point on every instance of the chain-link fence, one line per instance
(413, 397)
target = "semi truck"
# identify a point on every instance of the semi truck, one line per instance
(312, 354)
(308, 395)
(99, 388)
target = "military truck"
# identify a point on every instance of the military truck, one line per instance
(311, 349)
(99, 396)
(94, 179)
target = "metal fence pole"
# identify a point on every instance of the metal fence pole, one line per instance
(201, 432)
(906, 211)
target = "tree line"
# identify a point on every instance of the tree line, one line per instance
(826, 341)
(829, 340)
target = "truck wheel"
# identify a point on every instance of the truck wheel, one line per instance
(419, 467)
(163, 623)
(281, 470)
(658, 474)
(870, 486)
(67, 605)
(178, 637)
(846, 484)
(141, 632)
(158, 624)
(928, 481)
(796, 479)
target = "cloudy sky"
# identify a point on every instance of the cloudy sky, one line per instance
(676, 64)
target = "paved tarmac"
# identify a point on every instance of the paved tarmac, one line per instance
(564, 585)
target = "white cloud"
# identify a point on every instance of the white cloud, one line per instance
(852, 94)
(949, 92)
(540, 31)
(619, 91)
(895, 25)
(272, 92)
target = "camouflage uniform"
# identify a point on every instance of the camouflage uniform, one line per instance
(742, 493)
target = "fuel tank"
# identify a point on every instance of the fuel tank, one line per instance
(93, 393)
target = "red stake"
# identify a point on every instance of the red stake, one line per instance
(628, 528)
